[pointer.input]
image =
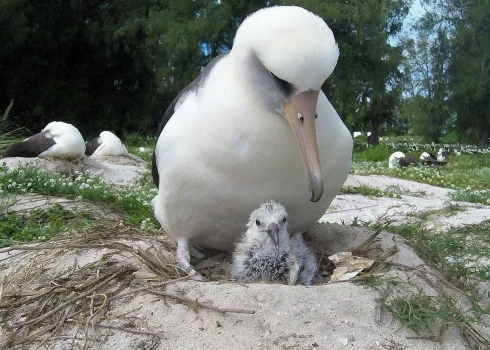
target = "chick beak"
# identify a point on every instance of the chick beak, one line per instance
(273, 232)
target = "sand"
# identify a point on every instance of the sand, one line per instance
(342, 315)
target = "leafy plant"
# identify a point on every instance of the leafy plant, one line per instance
(8, 131)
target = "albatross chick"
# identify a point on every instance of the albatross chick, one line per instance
(267, 252)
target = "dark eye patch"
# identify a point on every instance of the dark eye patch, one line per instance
(286, 87)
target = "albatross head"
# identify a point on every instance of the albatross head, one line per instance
(289, 52)
(58, 128)
(69, 141)
(268, 226)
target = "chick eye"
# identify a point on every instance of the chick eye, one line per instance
(257, 222)
(284, 219)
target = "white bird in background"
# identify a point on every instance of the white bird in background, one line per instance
(107, 144)
(252, 127)
(267, 252)
(394, 159)
(57, 139)
(442, 155)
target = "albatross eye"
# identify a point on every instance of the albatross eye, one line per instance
(284, 219)
(285, 86)
(257, 222)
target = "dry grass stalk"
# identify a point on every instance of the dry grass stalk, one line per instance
(38, 298)
(195, 303)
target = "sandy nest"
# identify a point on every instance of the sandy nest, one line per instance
(115, 286)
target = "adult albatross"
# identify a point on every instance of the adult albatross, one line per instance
(107, 144)
(57, 139)
(253, 126)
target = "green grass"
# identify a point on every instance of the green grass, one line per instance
(8, 131)
(134, 201)
(471, 196)
(453, 252)
(140, 145)
(421, 312)
(372, 154)
(469, 175)
(39, 224)
(362, 190)
(450, 209)
(391, 191)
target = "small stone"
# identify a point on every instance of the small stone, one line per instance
(344, 341)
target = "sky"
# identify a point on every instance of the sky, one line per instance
(416, 11)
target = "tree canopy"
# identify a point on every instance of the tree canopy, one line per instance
(117, 65)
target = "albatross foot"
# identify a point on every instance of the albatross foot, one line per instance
(183, 258)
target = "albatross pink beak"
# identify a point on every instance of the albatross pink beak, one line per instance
(300, 113)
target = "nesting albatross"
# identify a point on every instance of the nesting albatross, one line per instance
(107, 144)
(253, 126)
(57, 139)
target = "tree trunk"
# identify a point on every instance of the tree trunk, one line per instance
(484, 134)
(373, 139)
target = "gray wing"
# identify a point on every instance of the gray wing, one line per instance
(193, 86)
(32, 147)
(92, 146)
(306, 260)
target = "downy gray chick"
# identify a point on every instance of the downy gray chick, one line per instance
(267, 252)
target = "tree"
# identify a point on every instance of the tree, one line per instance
(470, 71)
(183, 36)
(106, 64)
(117, 65)
(366, 84)
(71, 61)
(469, 68)
(427, 84)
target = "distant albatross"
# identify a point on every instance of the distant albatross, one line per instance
(253, 126)
(57, 139)
(107, 144)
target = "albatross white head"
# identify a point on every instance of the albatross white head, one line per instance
(289, 52)
(69, 142)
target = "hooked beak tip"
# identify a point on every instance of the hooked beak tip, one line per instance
(316, 188)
